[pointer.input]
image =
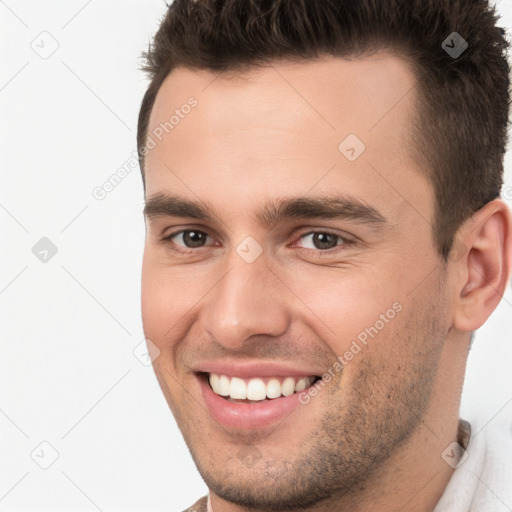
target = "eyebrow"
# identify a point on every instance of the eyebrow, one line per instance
(319, 207)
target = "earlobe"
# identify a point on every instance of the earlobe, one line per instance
(486, 266)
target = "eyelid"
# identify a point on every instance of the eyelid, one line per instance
(347, 241)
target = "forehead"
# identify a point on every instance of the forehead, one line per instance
(285, 125)
(330, 84)
(338, 93)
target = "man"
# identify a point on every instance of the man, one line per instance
(324, 234)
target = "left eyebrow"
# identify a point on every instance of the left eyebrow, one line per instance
(319, 207)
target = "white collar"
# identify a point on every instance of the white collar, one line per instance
(482, 482)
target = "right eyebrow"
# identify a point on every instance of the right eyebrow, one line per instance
(166, 205)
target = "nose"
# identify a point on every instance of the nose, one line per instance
(249, 300)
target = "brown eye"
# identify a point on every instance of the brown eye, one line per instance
(322, 240)
(187, 239)
(193, 238)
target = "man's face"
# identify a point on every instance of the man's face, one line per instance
(257, 294)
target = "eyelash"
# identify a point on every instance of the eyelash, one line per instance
(319, 252)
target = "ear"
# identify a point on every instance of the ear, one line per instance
(483, 264)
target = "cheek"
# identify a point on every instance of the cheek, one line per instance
(152, 305)
(160, 307)
(356, 304)
(168, 299)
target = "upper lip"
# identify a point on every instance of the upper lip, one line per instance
(252, 369)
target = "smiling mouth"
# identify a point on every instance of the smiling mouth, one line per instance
(257, 389)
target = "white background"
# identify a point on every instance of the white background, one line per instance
(68, 375)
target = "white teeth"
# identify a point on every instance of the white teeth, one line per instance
(214, 383)
(301, 384)
(273, 388)
(288, 386)
(238, 388)
(256, 389)
(224, 386)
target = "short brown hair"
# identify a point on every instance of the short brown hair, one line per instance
(460, 127)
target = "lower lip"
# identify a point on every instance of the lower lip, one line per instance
(247, 415)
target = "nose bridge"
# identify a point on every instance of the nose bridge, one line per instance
(245, 302)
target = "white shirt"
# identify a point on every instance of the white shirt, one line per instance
(483, 481)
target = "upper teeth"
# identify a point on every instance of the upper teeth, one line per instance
(258, 388)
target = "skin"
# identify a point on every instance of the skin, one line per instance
(372, 438)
